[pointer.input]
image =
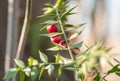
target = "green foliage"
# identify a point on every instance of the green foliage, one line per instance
(82, 63)
(50, 69)
(27, 71)
(22, 76)
(115, 69)
(34, 73)
(97, 77)
(32, 62)
(20, 63)
(58, 57)
(51, 34)
(41, 71)
(43, 57)
(77, 45)
(12, 72)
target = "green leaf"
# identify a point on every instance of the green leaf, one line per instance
(71, 68)
(64, 5)
(32, 61)
(77, 45)
(58, 3)
(27, 71)
(71, 27)
(48, 5)
(22, 76)
(60, 70)
(44, 27)
(72, 64)
(46, 15)
(50, 68)
(58, 57)
(12, 72)
(97, 77)
(41, 71)
(19, 63)
(41, 64)
(115, 70)
(43, 57)
(50, 22)
(34, 73)
(67, 13)
(116, 60)
(48, 10)
(51, 34)
(45, 35)
(68, 25)
(82, 24)
(80, 76)
(55, 48)
(73, 36)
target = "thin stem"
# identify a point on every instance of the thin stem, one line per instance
(61, 26)
(25, 29)
(104, 77)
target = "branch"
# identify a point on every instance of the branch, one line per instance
(25, 30)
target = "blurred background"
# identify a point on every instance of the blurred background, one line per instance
(103, 25)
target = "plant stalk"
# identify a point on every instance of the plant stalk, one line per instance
(61, 26)
(104, 77)
(25, 30)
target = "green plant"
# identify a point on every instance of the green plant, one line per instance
(82, 63)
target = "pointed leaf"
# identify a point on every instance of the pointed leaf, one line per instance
(77, 45)
(67, 12)
(22, 76)
(50, 68)
(53, 49)
(72, 64)
(58, 57)
(57, 48)
(115, 70)
(19, 63)
(60, 70)
(32, 61)
(71, 27)
(116, 60)
(71, 68)
(76, 34)
(41, 71)
(12, 72)
(43, 57)
(97, 77)
(50, 22)
(58, 3)
(51, 34)
(44, 27)
(80, 76)
(68, 25)
(27, 71)
(48, 5)
(46, 15)
(34, 73)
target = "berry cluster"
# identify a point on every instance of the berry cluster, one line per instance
(52, 28)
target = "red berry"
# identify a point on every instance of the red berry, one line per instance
(55, 39)
(62, 43)
(52, 28)
(73, 53)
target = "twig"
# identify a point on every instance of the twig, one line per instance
(24, 32)
(25, 29)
